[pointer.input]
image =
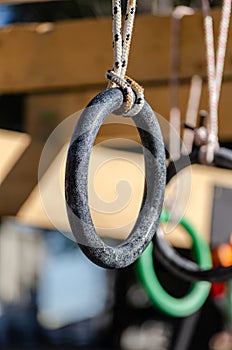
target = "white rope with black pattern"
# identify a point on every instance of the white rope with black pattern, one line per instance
(215, 69)
(133, 93)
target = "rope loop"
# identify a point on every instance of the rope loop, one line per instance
(139, 92)
(133, 93)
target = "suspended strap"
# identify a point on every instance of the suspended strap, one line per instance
(191, 115)
(215, 69)
(132, 91)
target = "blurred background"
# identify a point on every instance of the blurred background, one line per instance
(53, 58)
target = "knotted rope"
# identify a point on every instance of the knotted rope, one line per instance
(132, 91)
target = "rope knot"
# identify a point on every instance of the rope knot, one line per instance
(133, 93)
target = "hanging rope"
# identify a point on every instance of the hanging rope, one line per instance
(132, 91)
(175, 115)
(215, 70)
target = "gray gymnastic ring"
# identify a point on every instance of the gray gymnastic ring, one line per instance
(76, 182)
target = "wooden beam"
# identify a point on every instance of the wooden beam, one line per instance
(62, 105)
(23, 1)
(17, 186)
(73, 54)
(12, 146)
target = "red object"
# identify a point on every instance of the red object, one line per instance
(221, 256)
(218, 290)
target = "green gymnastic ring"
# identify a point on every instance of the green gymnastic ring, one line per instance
(190, 303)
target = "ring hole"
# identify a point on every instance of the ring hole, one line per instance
(116, 179)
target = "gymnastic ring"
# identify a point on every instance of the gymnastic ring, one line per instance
(184, 268)
(190, 303)
(170, 258)
(222, 159)
(76, 182)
